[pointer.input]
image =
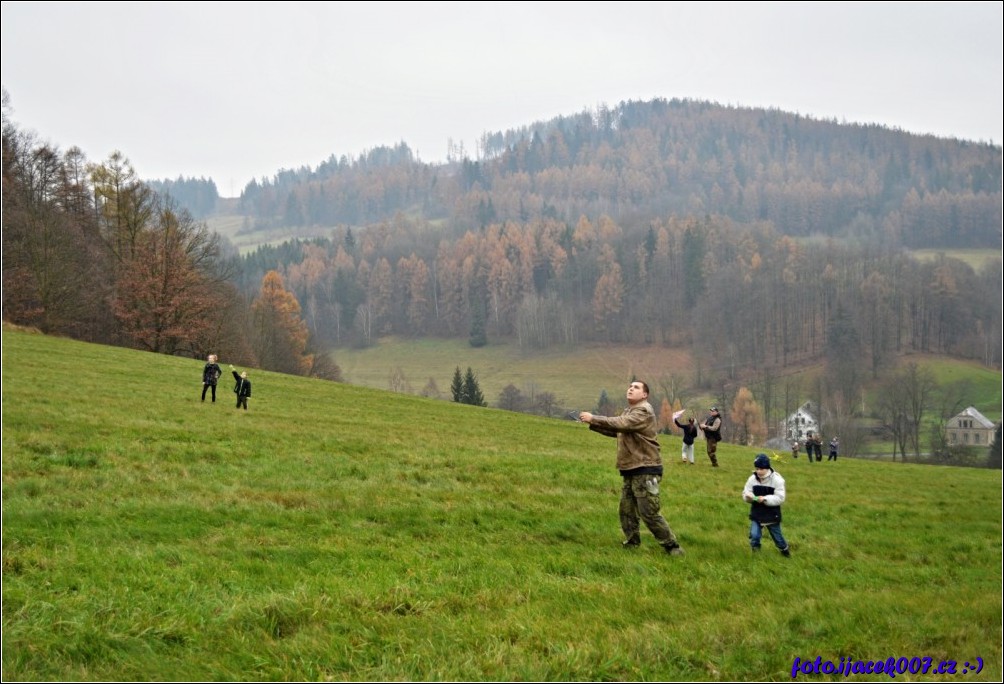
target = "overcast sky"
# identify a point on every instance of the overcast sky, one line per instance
(240, 90)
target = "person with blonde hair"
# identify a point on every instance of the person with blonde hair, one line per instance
(210, 376)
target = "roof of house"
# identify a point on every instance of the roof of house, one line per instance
(971, 412)
(805, 408)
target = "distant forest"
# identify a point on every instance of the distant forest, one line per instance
(757, 238)
(645, 160)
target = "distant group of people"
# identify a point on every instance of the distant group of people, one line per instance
(640, 465)
(814, 448)
(211, 373)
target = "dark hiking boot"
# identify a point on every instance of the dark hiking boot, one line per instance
(673, 550)
(786, 552)
(631, 543)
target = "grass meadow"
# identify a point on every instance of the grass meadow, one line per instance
(574, 376)
(339, 532)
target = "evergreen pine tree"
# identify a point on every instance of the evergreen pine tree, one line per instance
(478, 336)
(457, 386)
(472, 391)
(605, 407)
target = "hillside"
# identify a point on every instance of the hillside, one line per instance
(337, 532)
(643, 160)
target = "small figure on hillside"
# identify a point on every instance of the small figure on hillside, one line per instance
(242, 387)
(812, 442)
(712, 427)
(794, 449)
(764, 491)
(689, 435)
(211, 373)
(640, 465)
(834, 446)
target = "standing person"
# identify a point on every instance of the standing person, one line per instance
(764, 492)
(834, 445)
(794, 449)
(712, 427)
(242, 387)
(689, 435)
(817, 446)
(810, 445)
(210, 375)
(640, 465)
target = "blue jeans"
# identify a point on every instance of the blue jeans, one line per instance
(756, 532)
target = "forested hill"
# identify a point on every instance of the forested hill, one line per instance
(644, 160)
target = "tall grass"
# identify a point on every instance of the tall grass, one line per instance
(339, 532)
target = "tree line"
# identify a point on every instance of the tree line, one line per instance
(642, 160)
(741, 296)
(91, 251)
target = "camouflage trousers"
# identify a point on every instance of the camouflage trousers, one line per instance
(640, 501)
(712, 446)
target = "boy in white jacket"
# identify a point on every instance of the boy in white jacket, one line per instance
(764, 491)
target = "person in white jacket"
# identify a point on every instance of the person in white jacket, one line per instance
(764, 492)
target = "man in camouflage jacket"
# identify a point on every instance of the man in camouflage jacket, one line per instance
(640, 464)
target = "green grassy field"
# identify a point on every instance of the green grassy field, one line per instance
(574, 376)
(338, 532)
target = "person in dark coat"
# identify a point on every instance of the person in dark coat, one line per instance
(712, 427)
(210, 376)
(813, 447)
(242, 387)
(689, 435)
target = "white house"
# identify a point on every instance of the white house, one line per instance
(800, 423)
(970, 428)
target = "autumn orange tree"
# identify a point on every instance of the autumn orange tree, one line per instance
(279, 334)
(166, 291)
(747, 419)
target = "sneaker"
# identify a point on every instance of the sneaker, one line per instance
(786, 552)
(630, 544)
(674, 550)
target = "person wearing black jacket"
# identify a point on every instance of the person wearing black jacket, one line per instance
(689, 435)
(242, 387)
(210, 375)
(814, 445)
(712, 427)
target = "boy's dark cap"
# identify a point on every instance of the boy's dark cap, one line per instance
(761, 461)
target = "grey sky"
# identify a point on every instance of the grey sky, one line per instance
(239, 90)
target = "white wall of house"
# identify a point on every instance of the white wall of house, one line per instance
(970, 428)
(799, 424)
